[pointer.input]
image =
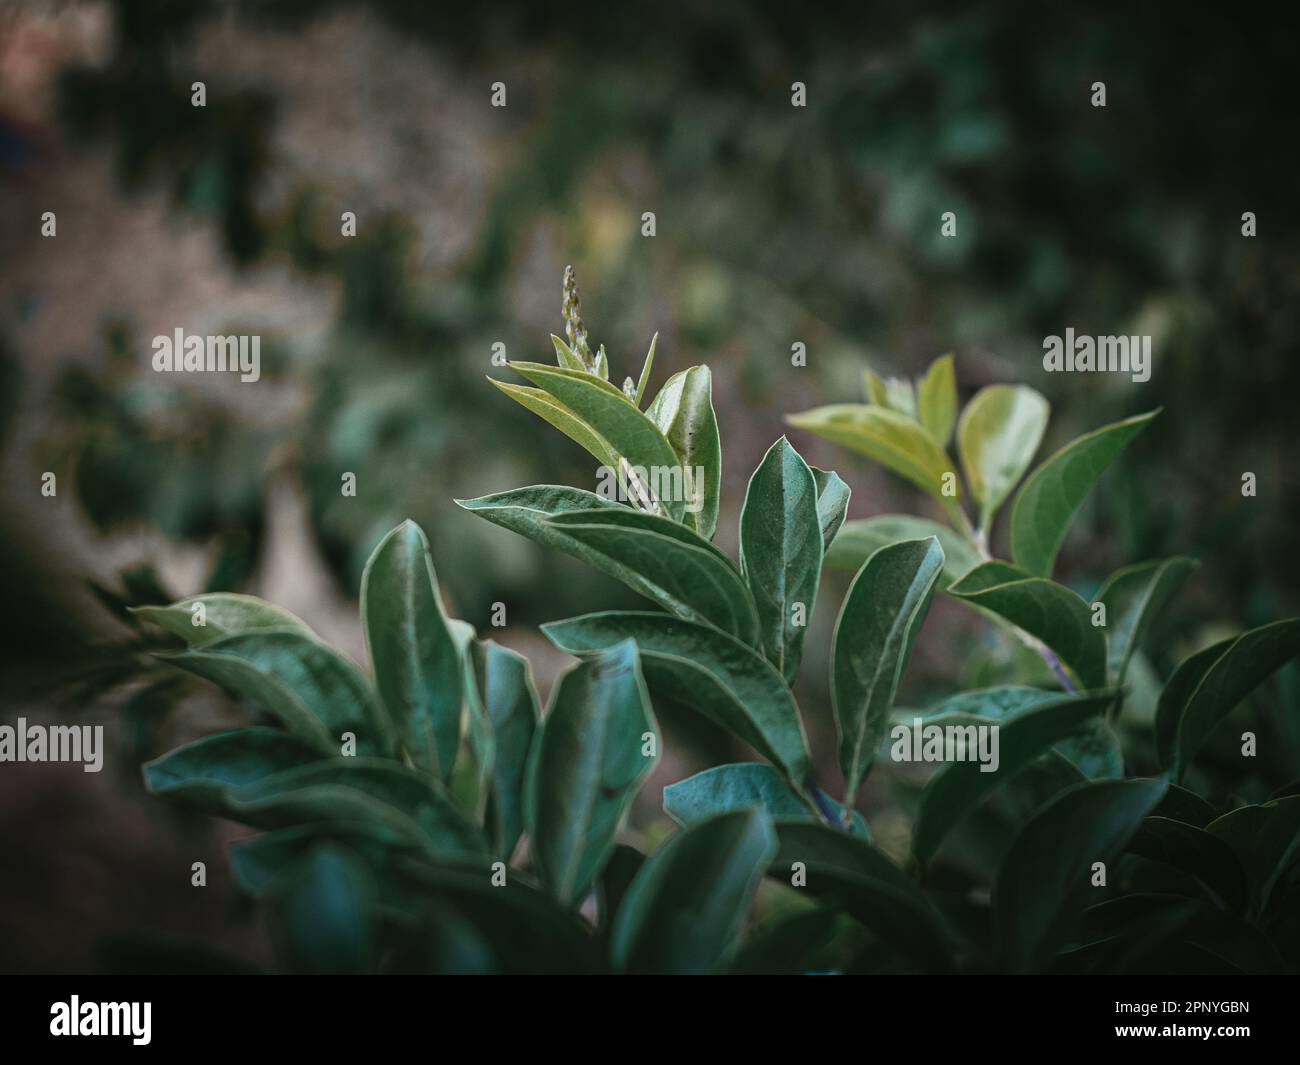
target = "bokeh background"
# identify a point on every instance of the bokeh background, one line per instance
(775, 225)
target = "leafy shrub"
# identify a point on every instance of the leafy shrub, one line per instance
(394, 807)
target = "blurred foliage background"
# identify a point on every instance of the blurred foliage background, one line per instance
(775, 225)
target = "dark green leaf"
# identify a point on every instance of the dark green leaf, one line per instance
(707, 670)
(957, 787)
(586, 764)
(322, 912)
(685, 906)
(222, 614)
(1045, 881)
(832, 504)
(882, 611)
(848, 873)
(1206, 687)
(1133, 597)
(1046, 610)
(415, 661)
(789, 945)
(781, 552)
(1266, 838)
(742, 786)
(1197, 852)
(683, 411)
(508, 699)
(1046, 502)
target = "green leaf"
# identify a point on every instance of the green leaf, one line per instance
(1179, 804)
(1095, 752)
(312, 690)
(1266, 839)
(957, 787)
(683, 411)
(781, 552)
(1045, 880)
(585, 768)
(895, 393)
(577, 429)
(832, 504)
(223, 614)
(1201, 854)
(504, 686)
(890, 438)
(321, 912)
(684, 908)
(742, 786)
(1206, 687)
(790, 944)
(206, 773)
(617, 876)
(524, 930)
(858, 540)
(644, 379)
(409, 805)
(633, 436)
(849, 874)
(664, 561)
(1046, 610)
(565, 357)
(688, 580)
(936, 399)
(707, 670)
(1133, 596)
(260, 860)
(882, 611)
(998, 433)
(416, 665)
(1046, 502)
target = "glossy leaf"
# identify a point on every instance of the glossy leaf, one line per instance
(410, 805)
(881, 613)
(743, 786)
(683, 910)
(683, 411)
(832, 504)
(1044, 506)
(957, 787)
(416, 665)
(644, 379)
(322, 912)
(1133, 596)
(1201, 854)
(633, 436)
(204, 774)
(781, 552)
(936, 399)
(1045, 880)
(585, 768)
(504, 687)
(998, 433)
(223, 614)
(858, 540)
(569, 422)
(655, 557)
(1046, 610)
(1207, 686)
(311, 689)
(890, 438)
(1266, 839)
(704, 669)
